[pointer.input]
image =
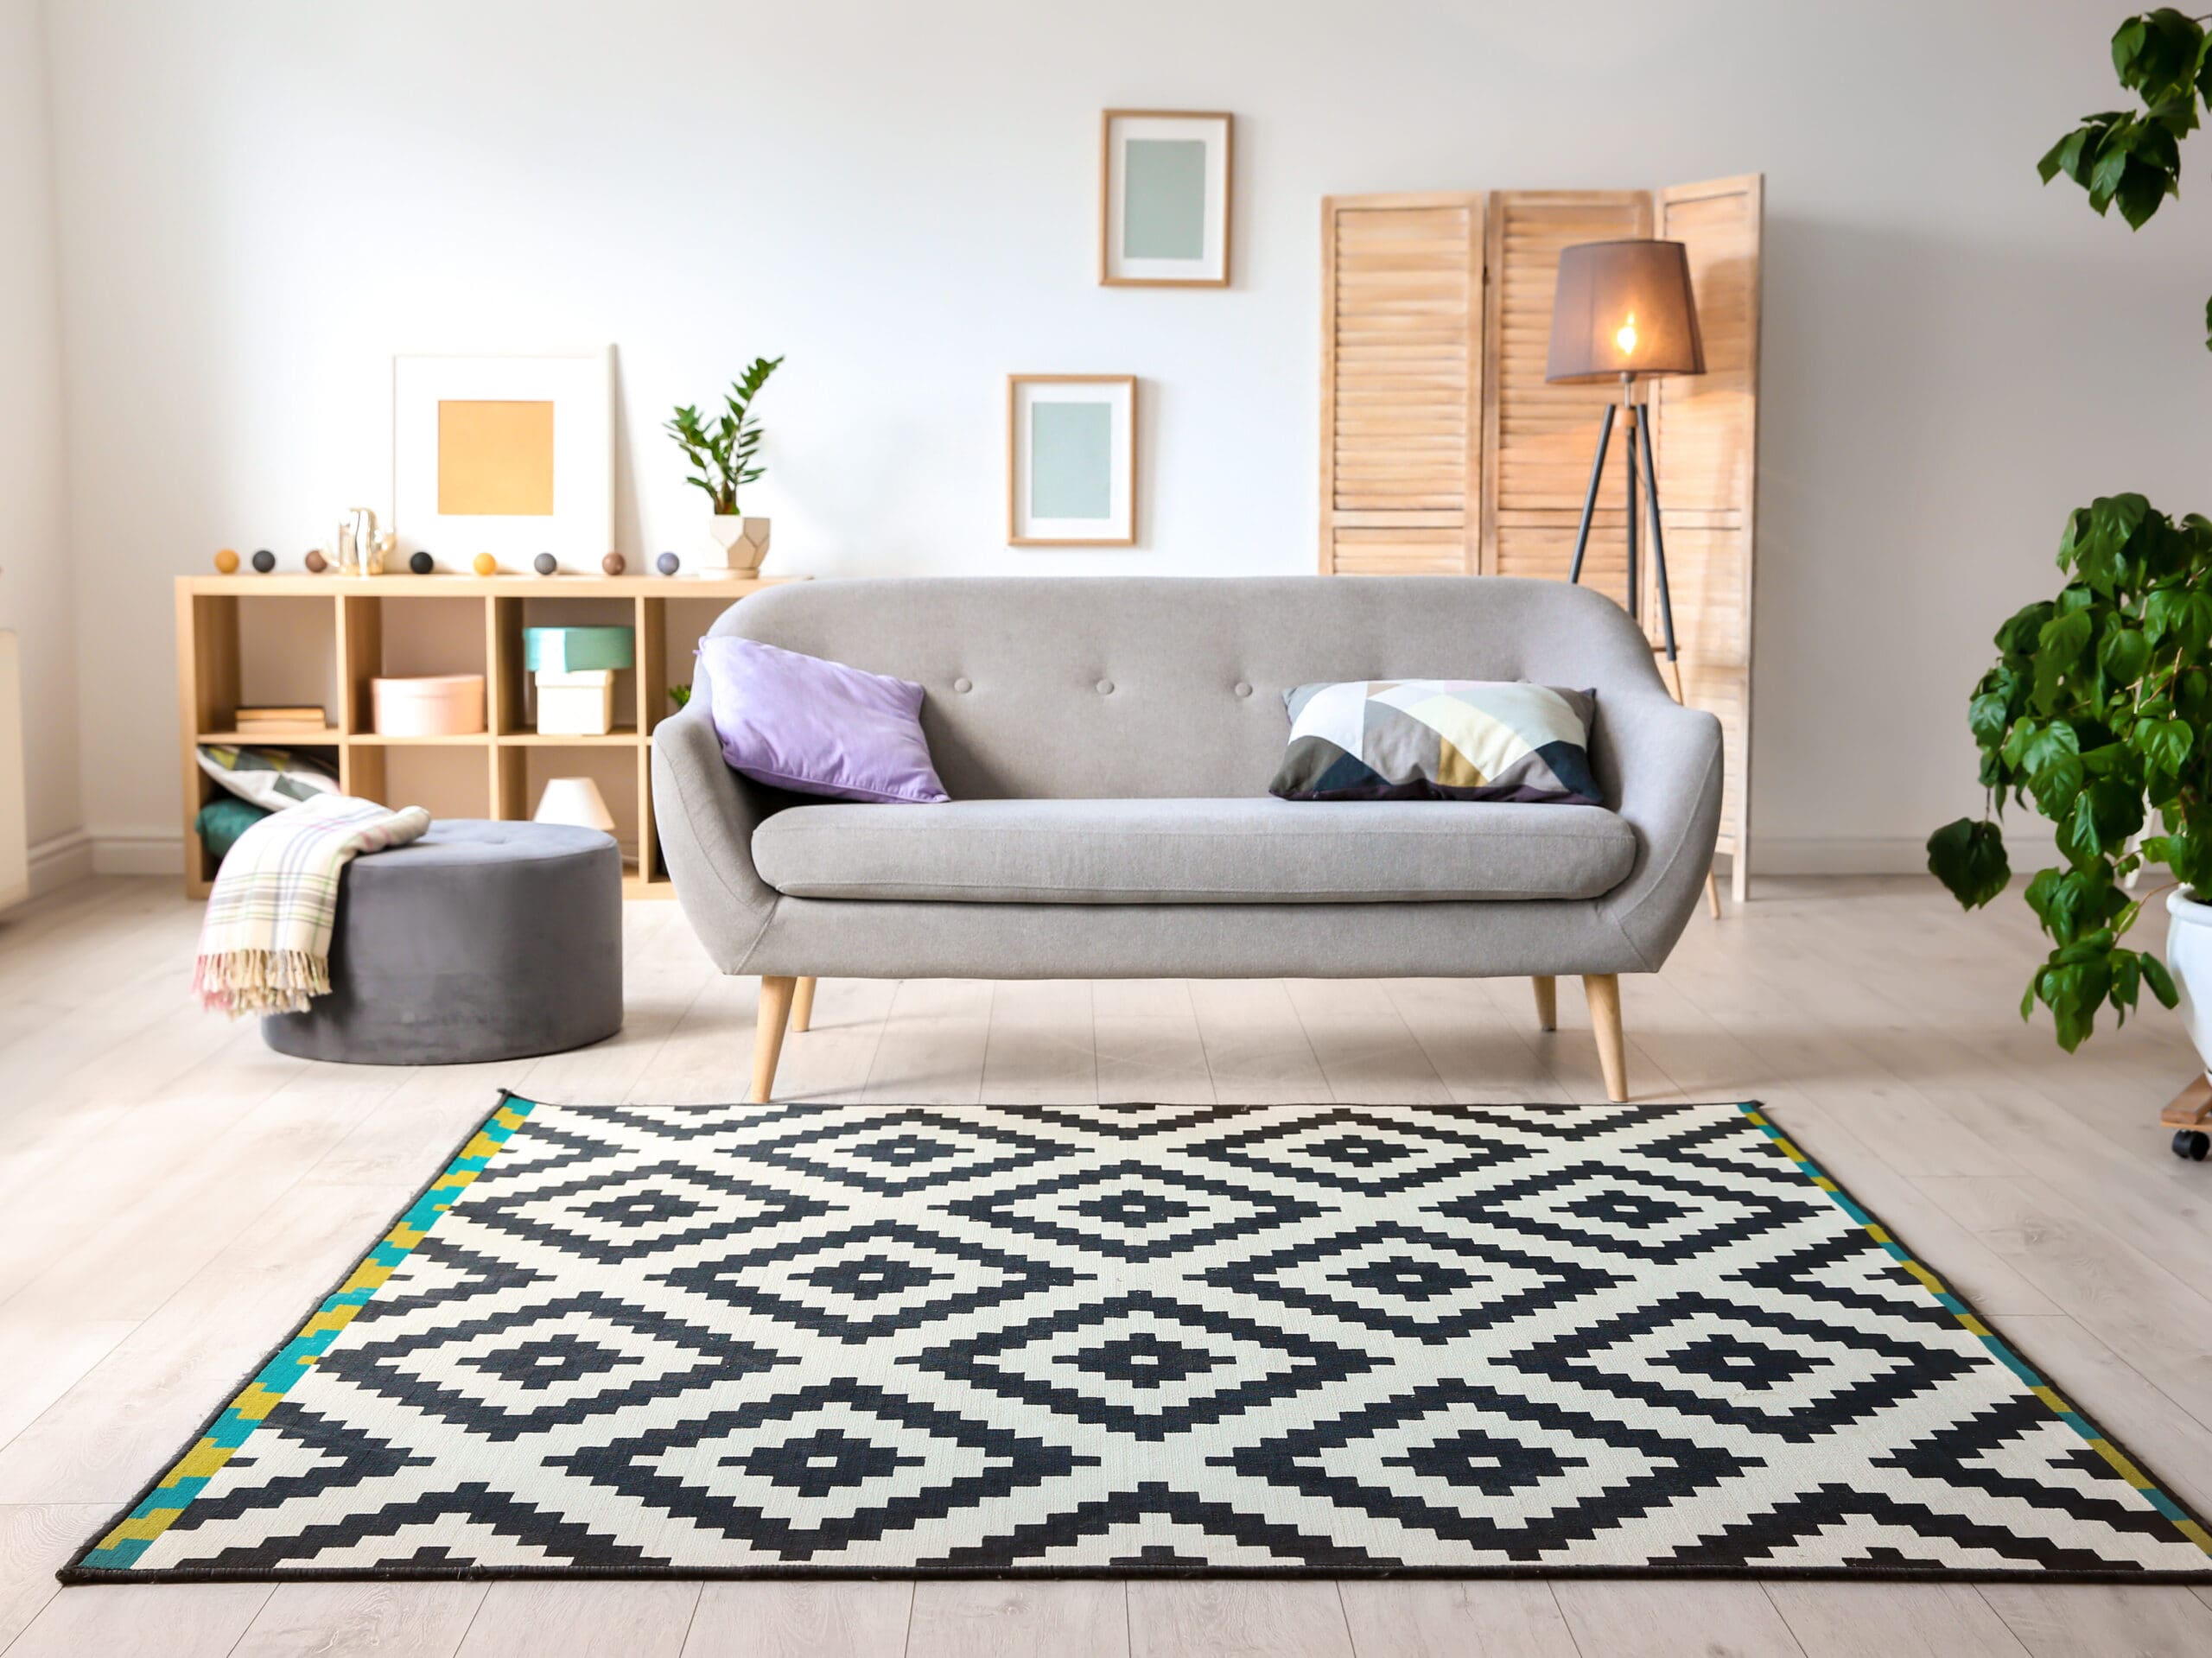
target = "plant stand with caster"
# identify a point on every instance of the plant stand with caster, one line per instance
(2189, 1115)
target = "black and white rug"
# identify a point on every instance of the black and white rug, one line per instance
(791, 1339)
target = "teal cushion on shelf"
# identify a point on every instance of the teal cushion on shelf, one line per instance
(222, 820)
(577, 650)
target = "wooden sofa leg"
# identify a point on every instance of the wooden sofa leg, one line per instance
(768, 1035)
(1604, 992)
(803, 1007)
(1547, 1001)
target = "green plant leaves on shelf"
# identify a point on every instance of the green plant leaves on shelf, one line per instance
(722, 453)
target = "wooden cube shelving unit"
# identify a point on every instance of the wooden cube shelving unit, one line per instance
(366, 613)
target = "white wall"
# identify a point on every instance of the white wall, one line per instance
(36, 596)
(259, 200)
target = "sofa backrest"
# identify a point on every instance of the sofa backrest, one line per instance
(1104, 687)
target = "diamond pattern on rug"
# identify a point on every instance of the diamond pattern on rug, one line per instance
(789, 1339)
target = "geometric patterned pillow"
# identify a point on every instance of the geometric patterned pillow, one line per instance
(1437, 740)
(272, 778)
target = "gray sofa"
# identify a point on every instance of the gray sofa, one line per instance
(1107, 743)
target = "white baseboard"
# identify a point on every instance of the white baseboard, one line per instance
(137, 852)
(65, 859)
(1825, 855)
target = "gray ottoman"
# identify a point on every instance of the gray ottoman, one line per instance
(480, 941)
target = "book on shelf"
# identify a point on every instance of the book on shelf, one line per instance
(284, 713)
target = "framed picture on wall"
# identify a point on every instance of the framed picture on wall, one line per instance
(512, 456)
(1071, 459)
(1164, 183)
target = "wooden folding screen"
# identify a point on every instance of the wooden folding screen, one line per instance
(1444, 452)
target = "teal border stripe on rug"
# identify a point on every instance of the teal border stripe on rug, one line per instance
(158, 1510)
(2192, 1529)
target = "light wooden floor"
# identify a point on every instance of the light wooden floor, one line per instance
(173, 1195)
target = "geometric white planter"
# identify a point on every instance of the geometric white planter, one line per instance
(739, 543)
(2188, 957)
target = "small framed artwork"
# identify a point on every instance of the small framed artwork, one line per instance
(512, 456)
(1071, 459)
(1164, 199)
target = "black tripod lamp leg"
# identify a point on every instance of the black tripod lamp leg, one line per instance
(1658, 537)
(1590, 497)
(1635, 597)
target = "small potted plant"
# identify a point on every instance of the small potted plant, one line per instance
(722, 457)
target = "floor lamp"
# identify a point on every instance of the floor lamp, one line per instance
(1624, 311)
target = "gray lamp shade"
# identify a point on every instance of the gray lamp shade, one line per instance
(1623, 307)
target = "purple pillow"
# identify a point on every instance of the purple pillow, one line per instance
(818, 728)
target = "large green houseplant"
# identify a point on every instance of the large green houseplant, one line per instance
(2099, 708)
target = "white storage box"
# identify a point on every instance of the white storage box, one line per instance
(579, 704)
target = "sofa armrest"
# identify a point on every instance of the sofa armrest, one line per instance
(706, 814)
(1661, 762)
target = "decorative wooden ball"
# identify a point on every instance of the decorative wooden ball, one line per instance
(484, 564)
(545, 563)
(667, 564)
(422, 563)
(264, 561)
(227, 561)
(315, 562)
(613, 564)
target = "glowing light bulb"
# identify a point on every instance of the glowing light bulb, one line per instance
(1624, 337)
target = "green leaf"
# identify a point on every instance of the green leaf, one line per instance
(2077, 834)
(2127, 43)
(1988, 715)
(2047, 745)
(2180, 614)
(2166, 743)
(2063, 638)
(2143, 188)
(2073, 994)
(2111, 167)
(2123, 656)
(2018, 636)
(1968, 858)
(2058, 786)
(2161, 983)
(2126, 979)
(2065, 157)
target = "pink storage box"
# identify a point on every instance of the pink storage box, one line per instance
(433, 705)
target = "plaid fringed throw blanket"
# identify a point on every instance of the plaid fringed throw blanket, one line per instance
(264, 944)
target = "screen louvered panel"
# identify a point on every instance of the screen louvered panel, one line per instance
(1706, 430)
(1400, 382)
(1541, 437)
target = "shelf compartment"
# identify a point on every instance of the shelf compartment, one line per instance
(453, 739)
(620, 737)
(395, 635)
(282, 737)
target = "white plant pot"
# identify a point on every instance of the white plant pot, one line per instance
(739, 543)
(2188, 957)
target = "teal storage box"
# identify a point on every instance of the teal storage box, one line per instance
(577, 650)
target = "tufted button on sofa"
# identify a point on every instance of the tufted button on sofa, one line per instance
(1119, 826)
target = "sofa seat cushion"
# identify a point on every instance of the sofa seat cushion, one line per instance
(1237, 851)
